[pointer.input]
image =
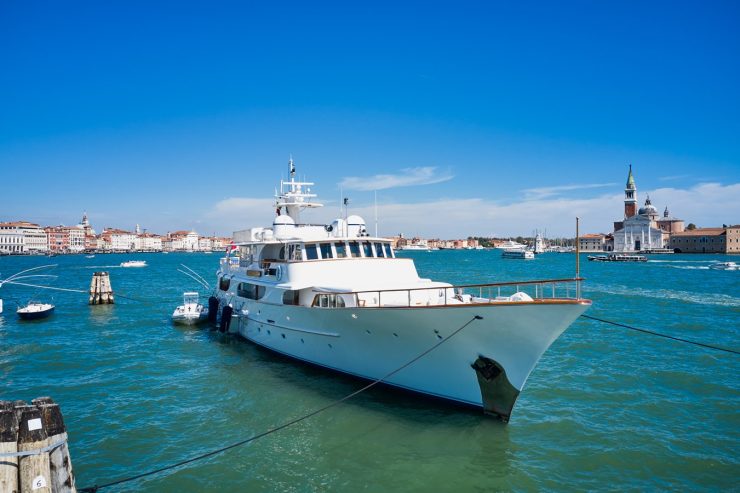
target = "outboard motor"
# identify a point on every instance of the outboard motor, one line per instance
(225, 318)
(212, 309)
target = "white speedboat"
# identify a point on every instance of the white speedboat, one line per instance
(520, 253)
(35, 310)
(191, 312)
(725, 266)
(134, 263)
(333, 296)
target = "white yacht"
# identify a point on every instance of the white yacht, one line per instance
(510, 244)
(191, 312)
(333, 296)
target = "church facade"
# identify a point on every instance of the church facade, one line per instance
(642, 229)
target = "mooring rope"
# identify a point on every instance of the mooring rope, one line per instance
(287, 424)
(701, 344)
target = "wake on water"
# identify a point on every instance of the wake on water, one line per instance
(698, 298)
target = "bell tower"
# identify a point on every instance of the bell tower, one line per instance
(630, 196)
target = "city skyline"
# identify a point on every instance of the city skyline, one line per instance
(482, 120)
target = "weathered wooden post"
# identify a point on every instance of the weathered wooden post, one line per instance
(101, 292)
(9, 446)
(60, 464)
(34, 475)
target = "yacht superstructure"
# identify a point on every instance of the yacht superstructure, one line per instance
(333, 296)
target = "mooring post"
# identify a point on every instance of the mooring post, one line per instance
(60, 463)
(34, 475)
(101, 292)
(8, 445)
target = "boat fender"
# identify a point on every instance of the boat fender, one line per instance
(212, 309)
(226, 313)
(279, 272)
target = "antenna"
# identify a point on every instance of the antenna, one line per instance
(376, 213)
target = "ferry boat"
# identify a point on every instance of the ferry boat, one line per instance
(518, 253)
(618, 257)
(35, 311)
(134, 263)
(191, 312)
(334, 296)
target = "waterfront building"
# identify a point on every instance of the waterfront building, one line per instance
(205, 244)
(119, 240)
(707, 240)
(57, 239)
(640, 229)
(184, 241)
(11, 238)
(592, 242)
(149, 242)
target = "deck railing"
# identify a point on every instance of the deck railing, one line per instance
(492, 293)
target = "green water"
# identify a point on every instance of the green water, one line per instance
(606, 409)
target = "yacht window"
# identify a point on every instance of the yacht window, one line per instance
(326, 250)
(223, 283)
(290, 297)
(341, 249)
(354, 249)
(367, 249)
(281, 255)
(329, 301)
(250, 291)
(294, 252)
(379, 250)
(312, 252)
(388, 250)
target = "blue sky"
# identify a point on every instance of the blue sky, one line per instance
(468, 118)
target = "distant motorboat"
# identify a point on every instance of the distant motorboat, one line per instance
(617, 257)
(725, 266)
(34, 310)
(520, 253)
(89, 256)
(134, 263)
(191, 312)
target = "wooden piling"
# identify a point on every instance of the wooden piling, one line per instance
(34, 455)
(101, 292)
(8, 445)
(34, 474)
(60, 464)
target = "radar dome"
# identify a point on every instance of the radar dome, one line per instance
(283, 226)
(355, 226)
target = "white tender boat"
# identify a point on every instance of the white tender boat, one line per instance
(520, 253)
(191, 312)
(336, 297)
(725, 266)
(134, 263)
(34, 311)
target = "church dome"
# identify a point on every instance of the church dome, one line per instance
(648, 209)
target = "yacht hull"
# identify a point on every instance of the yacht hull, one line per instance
(373, 342)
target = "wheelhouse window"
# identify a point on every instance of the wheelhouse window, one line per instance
(341, 249)
(290, 297)
(354, 249)
(223, 283)
(312, 253)
(367, 249)
(326, 250)
(379, 250)
(329, 301)
(295, 252)
(387, 250)
(250, 291)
